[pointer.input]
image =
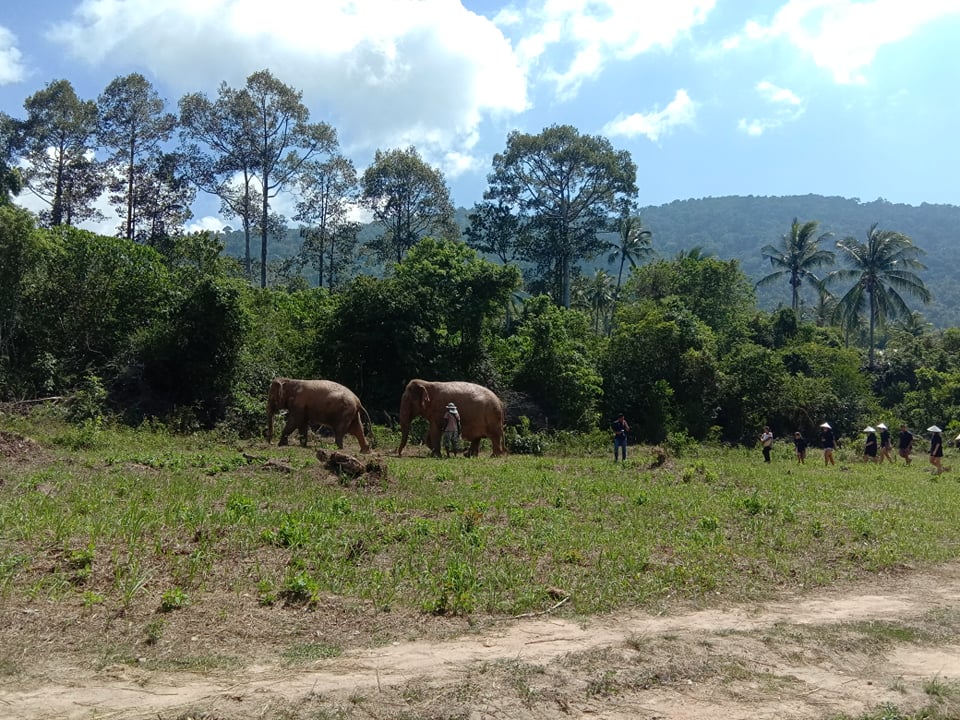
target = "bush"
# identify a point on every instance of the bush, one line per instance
(520, 440)
(680, 444)
(88, 401)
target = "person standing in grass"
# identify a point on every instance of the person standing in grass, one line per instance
(905, 443)
(800, 444)
(620, 430)
(766, 442)
(829, 442)
(936, 448)
(451, 430)
(885, 444)
(870, 446)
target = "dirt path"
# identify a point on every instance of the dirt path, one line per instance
(838, 651)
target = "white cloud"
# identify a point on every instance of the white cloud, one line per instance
(786, 106)
(776, 94)
(386, 74)
(594, 32)
(207, 222)
(455, 164)
(844, 36)
(11, 66)
(654, 125)
(755, 128)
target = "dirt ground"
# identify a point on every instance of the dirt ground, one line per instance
(845, 650)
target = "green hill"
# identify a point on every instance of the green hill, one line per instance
(738, 227)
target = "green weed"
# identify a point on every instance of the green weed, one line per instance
(173, 599)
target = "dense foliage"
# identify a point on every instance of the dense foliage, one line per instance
(182, 337)
(160, 323)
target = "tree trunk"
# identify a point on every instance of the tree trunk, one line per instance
(565, 281)
(264, 211)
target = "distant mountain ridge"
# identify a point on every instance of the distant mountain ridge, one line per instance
(739, 226)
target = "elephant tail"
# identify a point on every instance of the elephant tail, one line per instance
(367, 424)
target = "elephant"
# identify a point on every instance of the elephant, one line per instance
(317, 402)
(481, 413)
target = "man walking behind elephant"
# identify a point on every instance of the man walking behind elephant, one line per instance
(451, 429)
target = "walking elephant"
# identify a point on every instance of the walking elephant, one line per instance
(481, 413)
(315, 402)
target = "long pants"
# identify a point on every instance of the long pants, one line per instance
(618, 443)
(766, 454)
(451, 441)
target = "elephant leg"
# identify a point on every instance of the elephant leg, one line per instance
(434, 436)
(497, 441)
(356, 429)
(474, 450)
(288, 428)
(338, 437)
(300, 421)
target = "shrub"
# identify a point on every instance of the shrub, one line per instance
(520, 440)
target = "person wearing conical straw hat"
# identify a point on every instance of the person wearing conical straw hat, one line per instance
(885, 444)
(870, 446)
(829, 442)
(936, 448)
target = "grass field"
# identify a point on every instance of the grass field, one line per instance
(131, 517)
(135, 542)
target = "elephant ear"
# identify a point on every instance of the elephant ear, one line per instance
(424, 398)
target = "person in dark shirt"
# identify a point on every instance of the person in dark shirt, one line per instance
(936, 448)
(905, 443)
(870, 446)
(885, 444)
(801, 447)
(829, 443)
(620, 430)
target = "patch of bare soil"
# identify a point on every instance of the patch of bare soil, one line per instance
(17, 447)
(843, 650)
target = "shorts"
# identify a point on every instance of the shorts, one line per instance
(904, 452)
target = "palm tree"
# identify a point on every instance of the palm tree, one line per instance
(632, 245)
(881, 269)
(596, 295)
(824, 310)
(797, 256)
(697, 253)
(916, 325)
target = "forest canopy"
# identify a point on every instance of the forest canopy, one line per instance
(705, 319)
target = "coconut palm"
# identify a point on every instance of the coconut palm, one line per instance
(823, 312)
(697, 253)
(796, 257)
(632, 244)
(595, 295)
(881, 269)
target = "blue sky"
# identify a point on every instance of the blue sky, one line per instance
(711, 98)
